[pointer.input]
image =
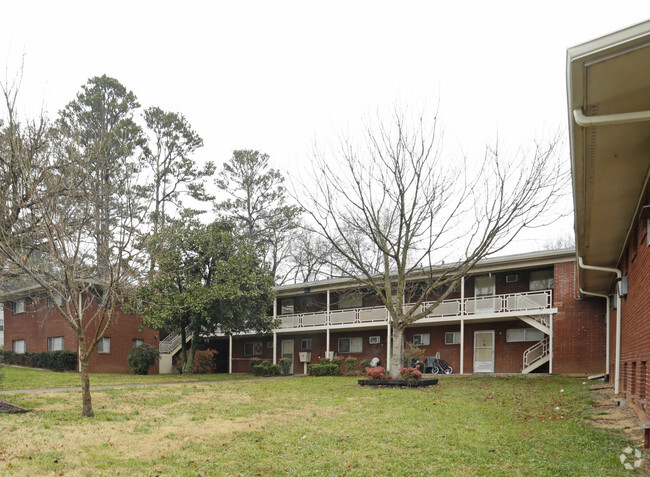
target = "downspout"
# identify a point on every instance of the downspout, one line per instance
(606, 297)
(617, 366)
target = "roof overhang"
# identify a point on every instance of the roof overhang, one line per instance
(608, 89)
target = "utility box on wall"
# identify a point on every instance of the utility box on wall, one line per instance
(305, 356)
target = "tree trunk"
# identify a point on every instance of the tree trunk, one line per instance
(397, 351)
(87, 409)
(189, 363)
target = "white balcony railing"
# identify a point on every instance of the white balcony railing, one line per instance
(495, 304)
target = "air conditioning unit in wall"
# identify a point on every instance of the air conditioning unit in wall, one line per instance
(374, 340)
(512, 278)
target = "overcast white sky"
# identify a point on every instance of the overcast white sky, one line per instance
(277, 75)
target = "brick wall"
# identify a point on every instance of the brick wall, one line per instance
(578, 327)
(635, 318)
(40, 322)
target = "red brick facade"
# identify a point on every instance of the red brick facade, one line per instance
(40, 322)
(578, 331)
(635, 318)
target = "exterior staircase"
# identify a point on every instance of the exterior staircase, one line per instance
(168, 348)
(540, 322)
(536, 355)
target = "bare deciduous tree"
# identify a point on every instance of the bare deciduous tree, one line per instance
(397, 208)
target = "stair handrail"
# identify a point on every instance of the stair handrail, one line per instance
(172, 341)
(541, 347)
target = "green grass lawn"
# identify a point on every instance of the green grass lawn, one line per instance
(315, 426)
(26, 378)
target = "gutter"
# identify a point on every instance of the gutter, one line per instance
(619, 274)
(607, 119)
(606, 297)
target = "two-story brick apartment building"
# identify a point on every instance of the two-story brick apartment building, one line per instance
(33, 324)
(513, 314)
(608, 83)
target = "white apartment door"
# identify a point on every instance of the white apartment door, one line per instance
(484, 290)
(287, 352)
(484, 351)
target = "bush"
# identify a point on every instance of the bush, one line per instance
(285, 365)
(254, 362)
(323, 369)
(365, 363)
(204, 361)
(377, 373)
(336, 361)
(325, 361)
(410, 374)
(141, 357)
(350, 365)
(265, 368)
(63, 360)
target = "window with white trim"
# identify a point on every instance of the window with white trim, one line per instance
(305, 344)
(286, 306)
(19, 306)
(137, 342)
(55, 343)
(104, 346)
(350, 345)
(58, 300)
(351, 300)
(253, 349)
(422, 339)
(18, 346)
(452, 338)
(514, 335)
(541, 280)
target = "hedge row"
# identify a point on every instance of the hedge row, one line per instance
(55, 360)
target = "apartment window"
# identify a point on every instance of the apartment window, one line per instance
(541, 280)
(269, 345)
(252, 349)
(524, 334)
(18, 346)
(351, 300)
(55, 343)
(452, 338)
(137, 342)
(58, 300)
(19, 306)
(286, 306)
(350, 345)
(104, 346)
(306, 301)
(305, 345)
(422, 339)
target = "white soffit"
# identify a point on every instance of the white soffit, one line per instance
(610, 163)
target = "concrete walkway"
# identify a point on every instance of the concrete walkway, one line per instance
(140, 385)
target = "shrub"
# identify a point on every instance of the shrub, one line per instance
(377, 372)
(410, 374)
(336, 361)
(285, 364)
(365, 363)
(141, 357)
(254, 362)
(265, 368)
(350, 365)
(63, 360)
(323, 369)
(204, 361)
(325, 361)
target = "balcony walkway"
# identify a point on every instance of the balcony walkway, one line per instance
(474, 308)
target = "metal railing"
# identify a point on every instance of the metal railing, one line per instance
(511, 302)
(172, 341)
(536, 352)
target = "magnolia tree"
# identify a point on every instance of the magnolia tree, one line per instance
(396, 208)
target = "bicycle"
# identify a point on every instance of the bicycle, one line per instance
(440, 366)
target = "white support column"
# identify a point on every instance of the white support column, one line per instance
(229, 354)
(462, 325)
(327, 324)
(275, 347)
(389, 343)
(462, 346)
(550, 345)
